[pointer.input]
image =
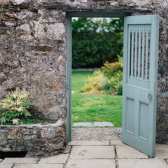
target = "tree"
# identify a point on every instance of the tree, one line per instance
(96, 41)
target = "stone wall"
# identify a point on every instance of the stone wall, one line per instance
(162, 111)
(32, 44)
(32, 56)
(36, 140)
(33, 50)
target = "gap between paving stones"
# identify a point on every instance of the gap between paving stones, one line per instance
(68, 158)
(122, 153)
(116, 157)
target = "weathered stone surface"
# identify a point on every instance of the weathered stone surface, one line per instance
(92, 152)
(162, 151)
(83, 4)
(58, 159)
(38, 166)
(37, 140)
(89, 143)
(95, 134)
(2, 165)
(116, 142)
(92, 124)
(126, 152)
(20, 160)
(93, 163)
(139, 163)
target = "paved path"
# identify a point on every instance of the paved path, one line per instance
(88, 153)
(94, 154)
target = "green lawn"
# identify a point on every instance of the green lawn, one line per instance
(93, 108)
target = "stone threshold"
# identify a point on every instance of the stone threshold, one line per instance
(92, 124)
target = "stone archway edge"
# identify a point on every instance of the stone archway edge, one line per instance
(85, 4)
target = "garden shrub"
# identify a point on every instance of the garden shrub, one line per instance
(15, 106)
(95, 83)
(106, 80)
(114, 84)
(109, 69)
(114, 73)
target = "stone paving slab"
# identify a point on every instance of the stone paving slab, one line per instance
(92, 152)
(95, 134)
(142, 163)
(83, 124)
(116, 142)
(20, 160)
(103, 124)
(93, 163)
(2, 165)
(89, 143)
(93, 124)
(162, 151)
(62, 158)
(38, 166)
(126, 152)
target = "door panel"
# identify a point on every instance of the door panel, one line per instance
(141, 35)
(130, 124)
(143, 123)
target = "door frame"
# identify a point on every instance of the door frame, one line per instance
(69, 16)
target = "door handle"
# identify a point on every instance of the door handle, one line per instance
(149, 96)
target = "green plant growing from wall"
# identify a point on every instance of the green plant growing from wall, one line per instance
(15, 106)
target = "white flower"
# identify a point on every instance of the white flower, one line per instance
(15, 121)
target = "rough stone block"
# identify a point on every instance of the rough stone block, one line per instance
(36, 140)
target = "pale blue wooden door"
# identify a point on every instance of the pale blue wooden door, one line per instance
(141, 37)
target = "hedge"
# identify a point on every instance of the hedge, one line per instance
(96, 41)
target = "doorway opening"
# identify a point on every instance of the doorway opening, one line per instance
(96, 79)
(141, 39)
